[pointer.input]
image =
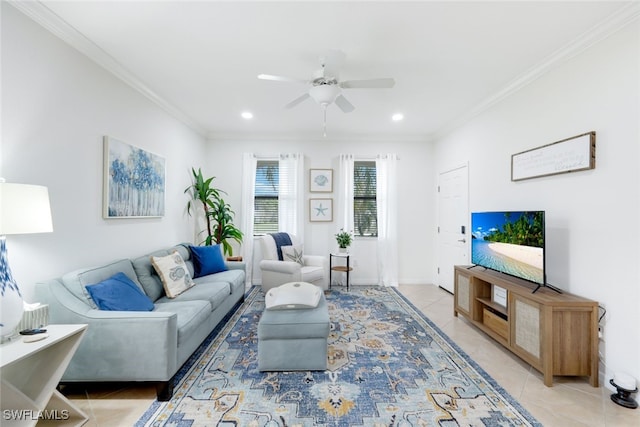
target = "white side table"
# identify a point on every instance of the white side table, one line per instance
(29, 374)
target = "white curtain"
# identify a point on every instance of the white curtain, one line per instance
(387, 203)
(345, 193)
(290, 194)
(249, 164)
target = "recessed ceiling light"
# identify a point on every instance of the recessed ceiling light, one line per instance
(247, 115)
(397, 117)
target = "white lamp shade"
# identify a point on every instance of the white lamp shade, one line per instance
(324, 94)
(24, 209)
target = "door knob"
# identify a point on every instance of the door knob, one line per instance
(463, 240)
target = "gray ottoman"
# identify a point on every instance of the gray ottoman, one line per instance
(294, 339)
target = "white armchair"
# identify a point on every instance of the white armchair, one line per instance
(314, 268)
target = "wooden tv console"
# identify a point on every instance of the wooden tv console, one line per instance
(556, 333)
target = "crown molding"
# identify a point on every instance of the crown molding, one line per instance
(315, 137)
(44, 16)
(615, 22)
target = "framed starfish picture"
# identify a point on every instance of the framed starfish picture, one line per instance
(321, 210)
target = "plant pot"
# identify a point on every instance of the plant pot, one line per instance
(343, 250)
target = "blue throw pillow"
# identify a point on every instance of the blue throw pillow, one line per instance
(207, 260)
(119, 293)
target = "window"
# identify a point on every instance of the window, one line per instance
(265, 219)
(365, 210)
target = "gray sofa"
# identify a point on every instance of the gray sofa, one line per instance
(141, 345)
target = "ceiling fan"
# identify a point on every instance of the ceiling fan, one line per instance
(326, 86)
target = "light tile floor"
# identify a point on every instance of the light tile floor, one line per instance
(570, 402)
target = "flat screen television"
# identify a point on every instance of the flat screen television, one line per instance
(510, 242)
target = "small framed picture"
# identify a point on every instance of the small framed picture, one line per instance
(321, 210)
(321, 180)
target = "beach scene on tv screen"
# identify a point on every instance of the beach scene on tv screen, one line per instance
(510, 242)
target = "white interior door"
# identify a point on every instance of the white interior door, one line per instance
(453, 224)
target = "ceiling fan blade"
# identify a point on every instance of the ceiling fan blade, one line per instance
(344, 105)
(297, 101)
(280, 78)
(332, 63)
(371, 83)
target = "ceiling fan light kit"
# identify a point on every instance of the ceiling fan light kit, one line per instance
(326, 87)
(324, 94)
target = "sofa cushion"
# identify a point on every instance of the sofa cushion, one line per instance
(190, 315)
(173, 273)
(119, 293)
(148, 276)
(235, 278)
(213, 292)
(76, 280)
(207, 260)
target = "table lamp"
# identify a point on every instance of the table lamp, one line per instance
(24, 209)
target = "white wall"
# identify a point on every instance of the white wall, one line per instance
(591, 216)
(416, 195)
(56, 107)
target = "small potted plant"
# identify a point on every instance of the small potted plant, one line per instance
(344, 240)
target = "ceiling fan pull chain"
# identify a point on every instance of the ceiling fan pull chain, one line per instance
(324, 126)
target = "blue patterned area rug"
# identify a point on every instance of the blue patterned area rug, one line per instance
(388, 366)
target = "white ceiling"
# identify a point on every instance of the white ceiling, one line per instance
(200, 59)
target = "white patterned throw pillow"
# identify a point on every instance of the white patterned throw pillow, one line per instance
(173, 273)
(292, 253)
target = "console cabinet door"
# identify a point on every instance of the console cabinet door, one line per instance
(462, 293)
(527, 329)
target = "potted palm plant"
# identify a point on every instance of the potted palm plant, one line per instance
(218, 214)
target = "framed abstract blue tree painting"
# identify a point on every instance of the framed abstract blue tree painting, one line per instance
(134, 181)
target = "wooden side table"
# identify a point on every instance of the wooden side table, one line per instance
(342, 268)
(29, 374)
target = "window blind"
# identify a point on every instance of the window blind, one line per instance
(365, 211)
(265, 217)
